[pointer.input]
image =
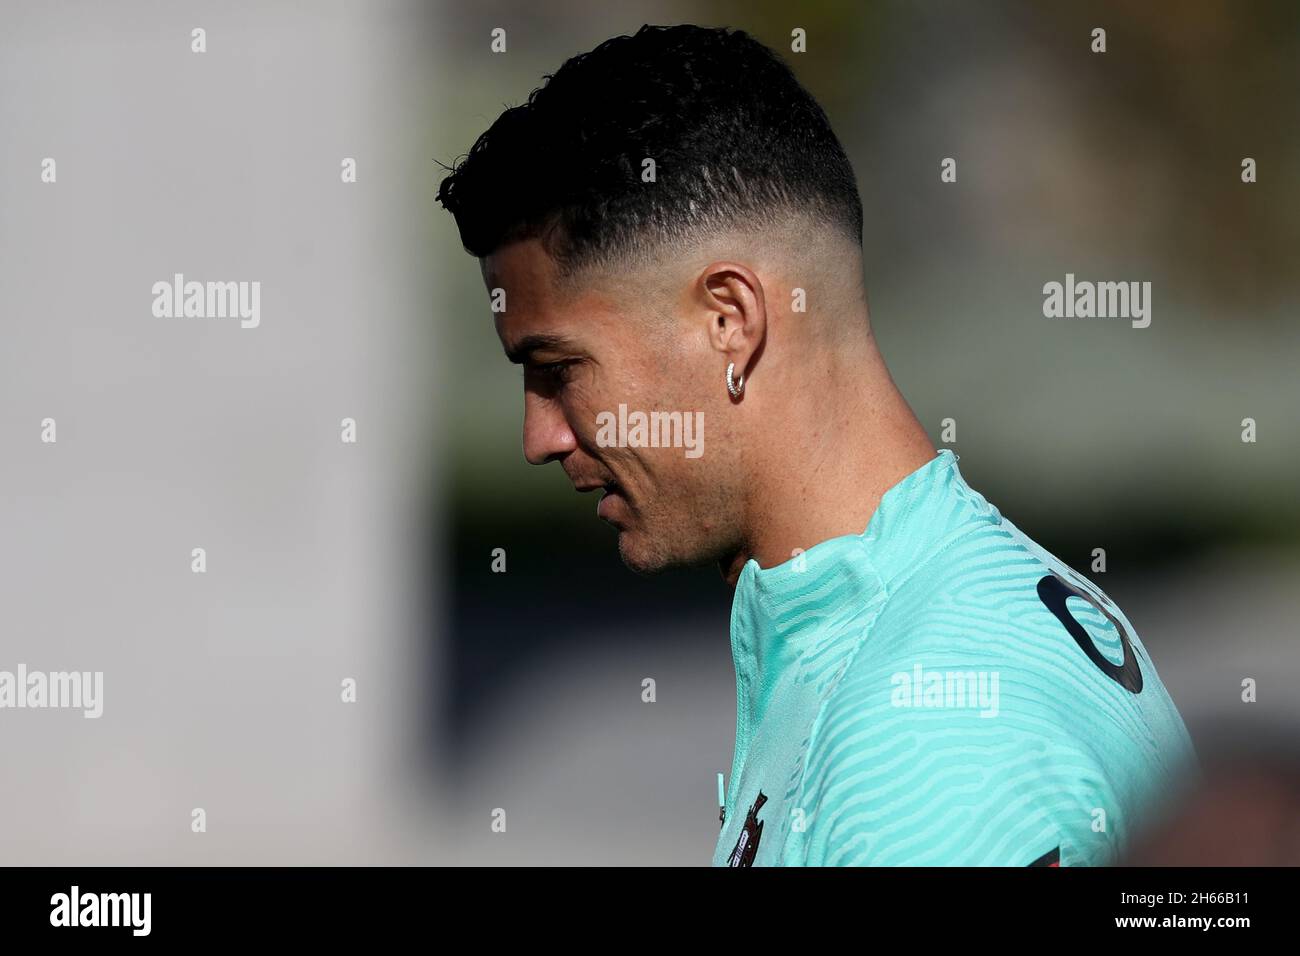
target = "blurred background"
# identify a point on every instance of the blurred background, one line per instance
(522, 691)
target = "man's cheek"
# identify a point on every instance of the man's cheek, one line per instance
(586, 412)
(584, 422)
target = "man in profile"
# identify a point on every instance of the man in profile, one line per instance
(669, 225)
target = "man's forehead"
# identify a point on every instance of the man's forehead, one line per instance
(522, 268)
(534, 306)
(527, 329)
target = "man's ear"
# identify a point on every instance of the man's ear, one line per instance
(733, 300)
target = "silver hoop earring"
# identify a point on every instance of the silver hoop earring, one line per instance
(733, 386)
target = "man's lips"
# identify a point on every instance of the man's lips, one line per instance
(611, 500)
(610, 503)
(593, 486)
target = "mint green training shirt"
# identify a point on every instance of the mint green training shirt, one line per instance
(939, 690)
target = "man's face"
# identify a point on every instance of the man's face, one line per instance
(587, 354)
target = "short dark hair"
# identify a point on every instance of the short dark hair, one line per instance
(728, 126)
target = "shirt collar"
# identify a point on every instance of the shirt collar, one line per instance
(807, 614)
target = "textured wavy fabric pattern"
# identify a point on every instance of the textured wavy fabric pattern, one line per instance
(940, 690)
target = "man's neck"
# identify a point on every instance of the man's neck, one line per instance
(842, 443)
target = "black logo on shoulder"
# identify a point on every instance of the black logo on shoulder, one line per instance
(750, 834)
(1053, 591)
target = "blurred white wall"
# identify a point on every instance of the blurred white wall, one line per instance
(222, 690)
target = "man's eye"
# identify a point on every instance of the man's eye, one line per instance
(553, 371)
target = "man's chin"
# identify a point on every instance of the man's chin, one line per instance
(637, 559)
(642, 557)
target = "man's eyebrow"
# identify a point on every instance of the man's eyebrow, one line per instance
(521, 350)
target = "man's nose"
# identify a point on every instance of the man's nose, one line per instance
(547, 434)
